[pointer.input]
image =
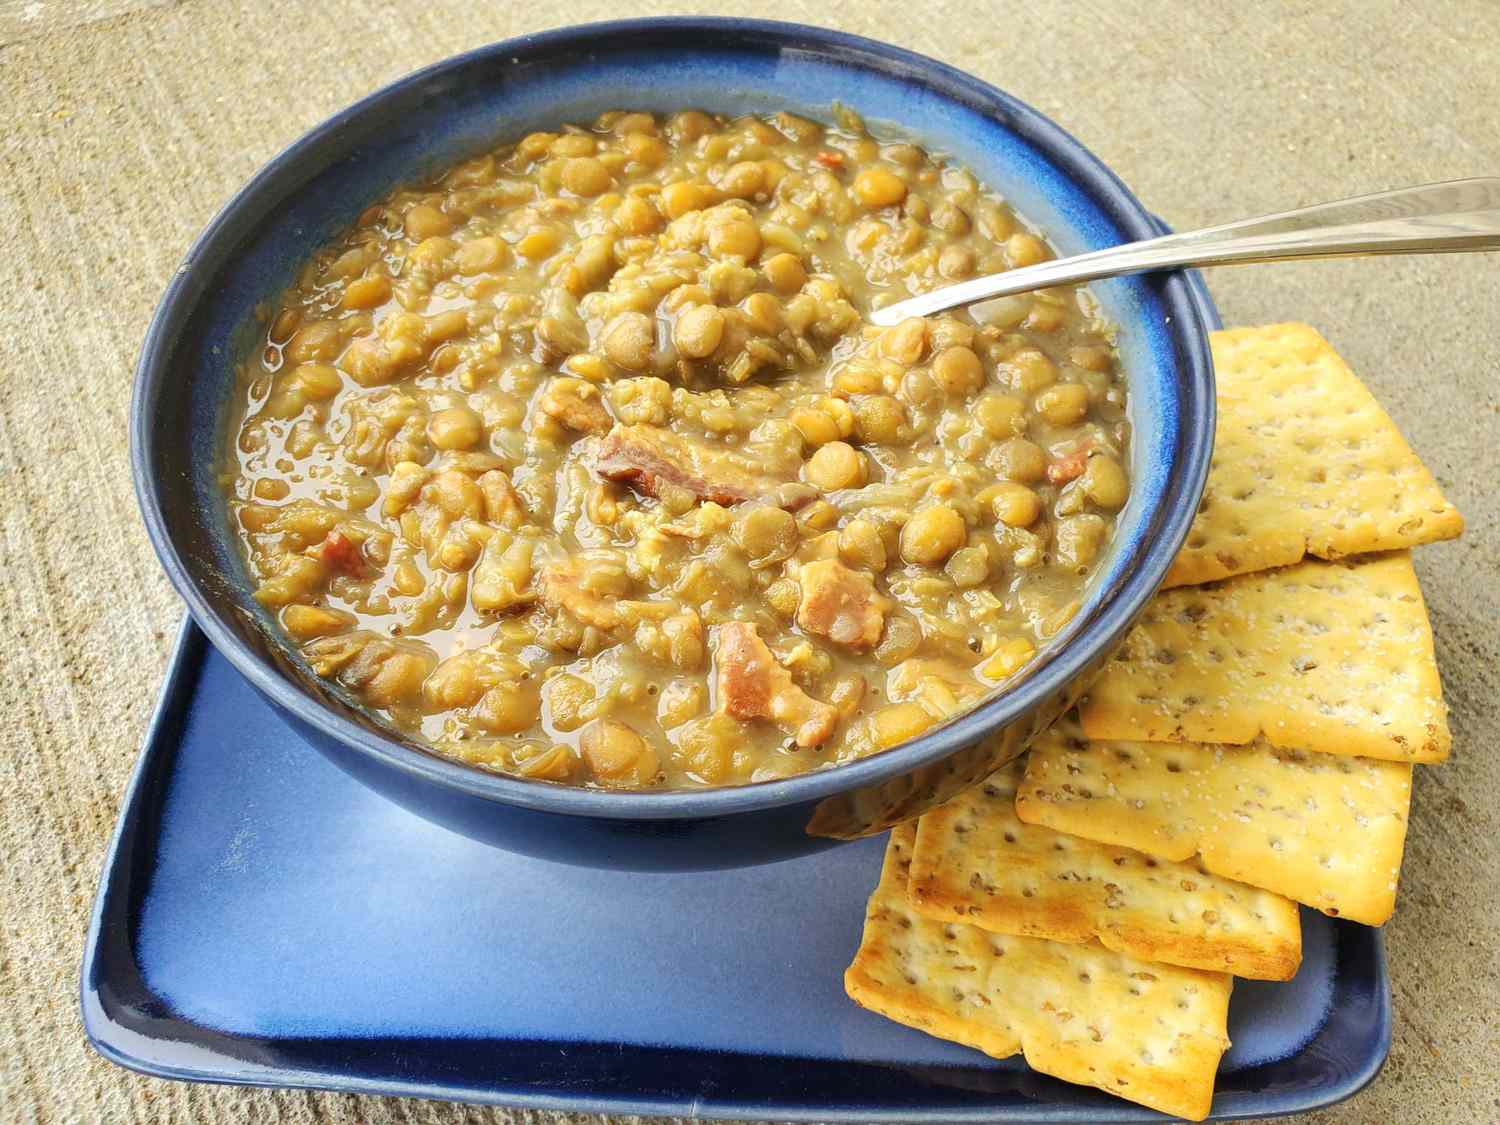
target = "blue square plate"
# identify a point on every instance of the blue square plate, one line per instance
(265, 920)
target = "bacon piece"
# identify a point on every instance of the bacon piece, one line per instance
(341, 553)
(561, 587)
(576, 404)
(649, 458)
(1064, 467)
(753, 686)
(840, 604)
(1068, 467)
(830, 159)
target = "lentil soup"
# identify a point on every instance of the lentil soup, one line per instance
(580, 462)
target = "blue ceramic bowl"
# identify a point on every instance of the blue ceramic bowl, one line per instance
(451, 110)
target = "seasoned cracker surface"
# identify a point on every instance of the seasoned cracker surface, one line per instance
(1331, 657)
(976, 861)
(1327, 830)
(1150, 1033)
(1305, 462)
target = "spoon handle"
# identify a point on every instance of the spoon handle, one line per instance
(1446, 218)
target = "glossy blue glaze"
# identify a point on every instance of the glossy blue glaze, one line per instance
(264, 920)
(308, 193)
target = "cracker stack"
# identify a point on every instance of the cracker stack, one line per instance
(1250, 748)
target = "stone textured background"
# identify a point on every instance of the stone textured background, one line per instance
(125, 123)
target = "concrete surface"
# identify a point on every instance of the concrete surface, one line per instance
(125, 123)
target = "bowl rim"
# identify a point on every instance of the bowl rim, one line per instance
(1113, 616)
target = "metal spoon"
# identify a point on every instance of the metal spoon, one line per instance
(1445, 218)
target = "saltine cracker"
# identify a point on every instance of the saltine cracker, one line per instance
(1327, 830)
(1331, 657)
(976, 861)
(1305, 463)
(1150, 1033)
